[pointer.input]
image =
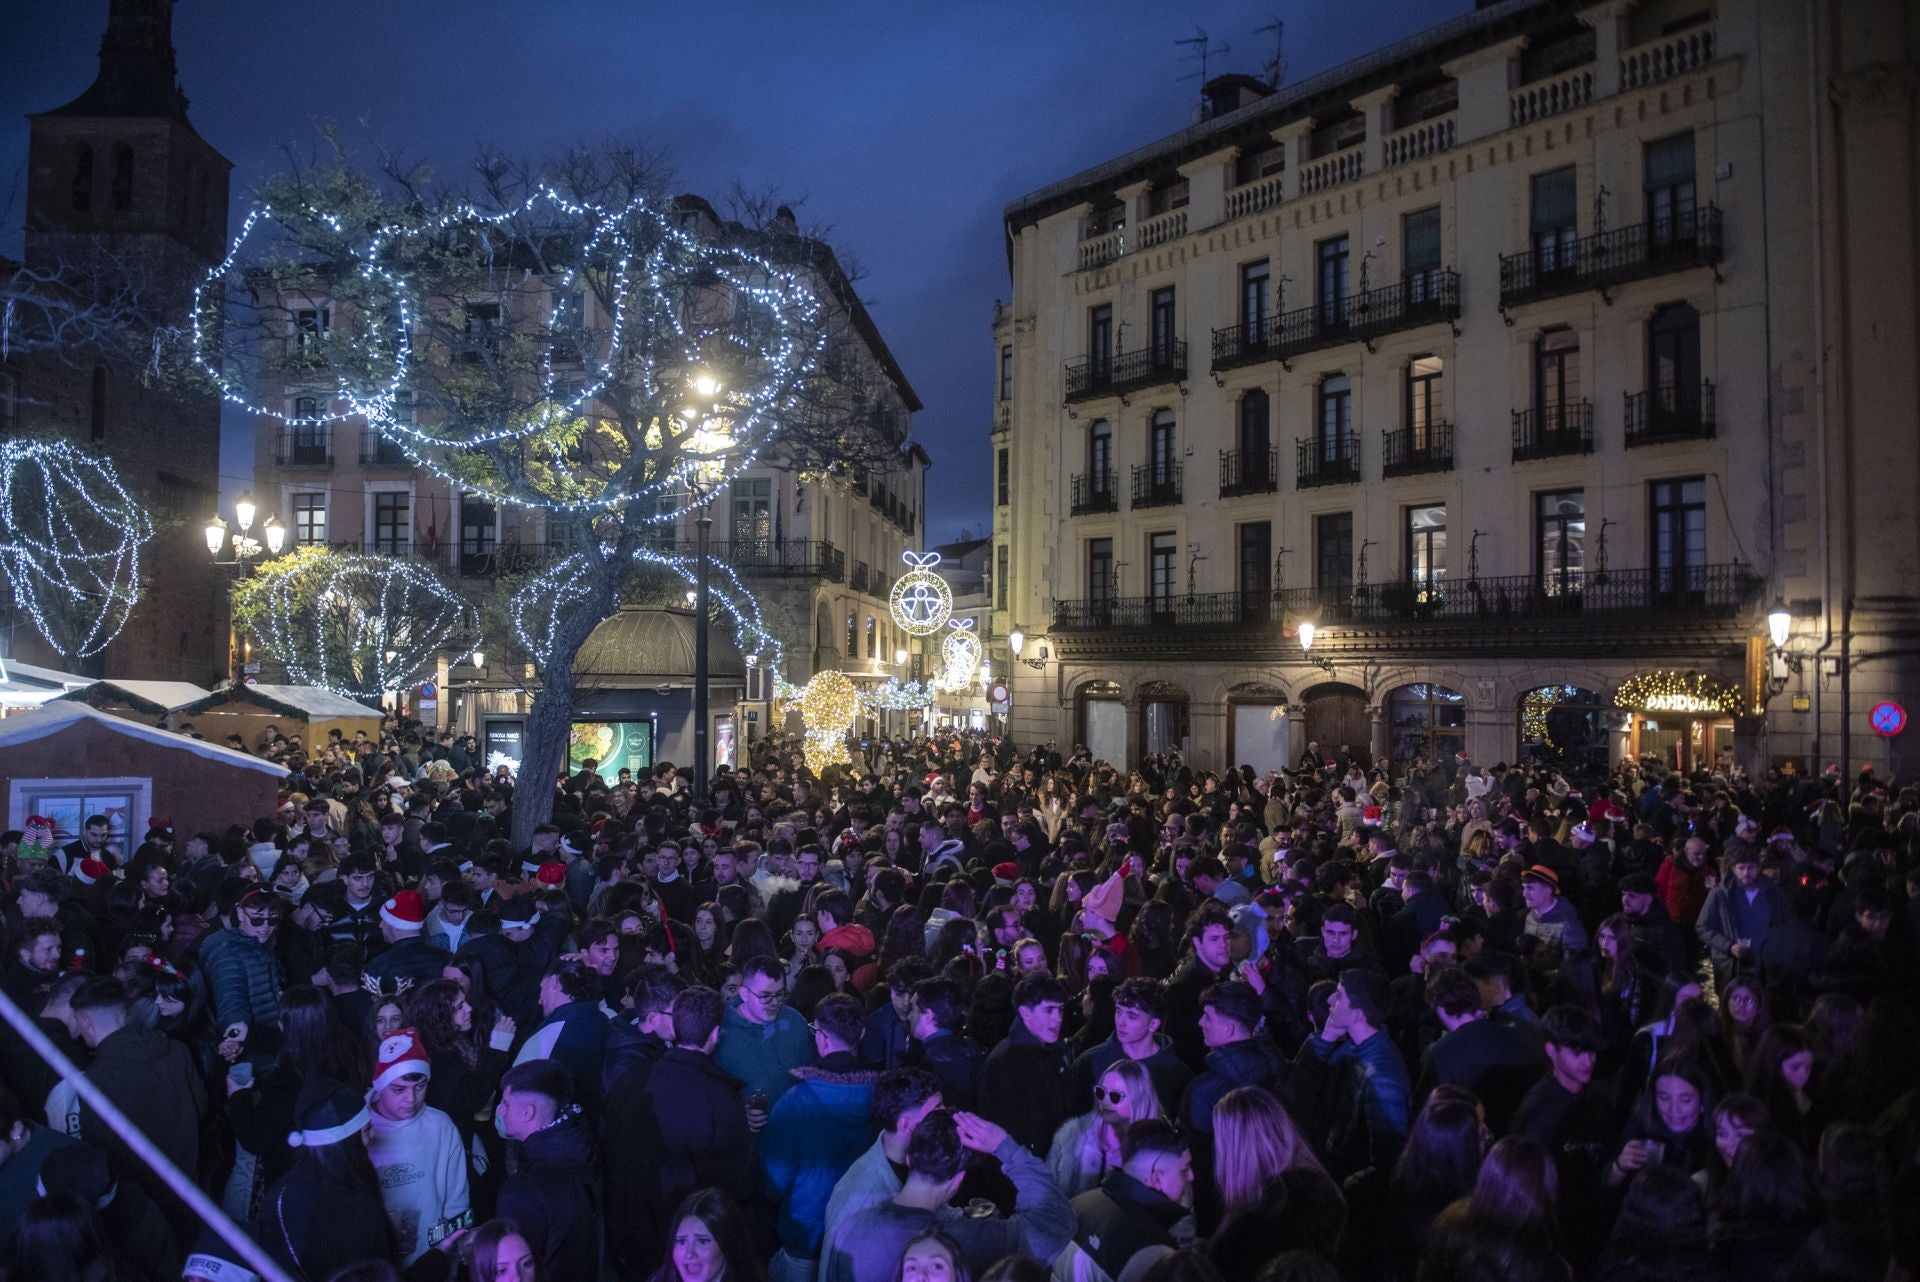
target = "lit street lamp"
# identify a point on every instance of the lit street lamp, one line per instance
(245, 547)
(708, 447)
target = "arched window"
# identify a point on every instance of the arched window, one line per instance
(1428, 721)
(82, 179)
(1564, 727)
(122, 177)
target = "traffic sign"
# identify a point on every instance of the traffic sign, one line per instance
(428, 692)
(1888, 719)
(999, 692)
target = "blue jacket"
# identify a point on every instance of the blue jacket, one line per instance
(575, 1035)
(763, 1055)
(817, 1130)
(884, 1043)
(1369, 1104)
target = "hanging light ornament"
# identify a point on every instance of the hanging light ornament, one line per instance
(959, 657)
(70, 539)
(921, 601)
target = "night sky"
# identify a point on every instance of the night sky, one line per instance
(906, 126)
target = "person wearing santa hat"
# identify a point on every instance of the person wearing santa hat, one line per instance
(417, 1150)
(408, 958)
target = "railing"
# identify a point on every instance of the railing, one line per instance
(775, 557)
(1551, 96)
(1162, 228)
(1424, 298)
(1410, 453)
(1127, 371)
(1098, 251)
(1610, 258)
(1417, 142)
(1249, 472)
(1671, 413)
(1667, 57)
(1548, 431)
(1342, 166)
(858, 579)
(1251, 198)
(1156, 486)
(1327, 460)
(378, 450)
(306, 447)
(1095, 492)
(1163, 613)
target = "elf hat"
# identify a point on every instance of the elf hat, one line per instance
(1104, 900)
(401, 1055)
(404, 911)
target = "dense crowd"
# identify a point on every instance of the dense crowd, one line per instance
(960, 1011)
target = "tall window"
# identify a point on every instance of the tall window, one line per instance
(1255, 574)
(82, 179)
(1162, 329)
(1560, 540)
(853, 640)
(1255, 441)
(1426, 548)
(1100, 585)
(97, 403)
(1420, 241)
(1100, 455)
(309, 331)
(1163, 554)
(1336, 415)
(1553, 220)
(1669, 188)
(1333, 550)
(478, 517)
(309, 519)
(1100, 340)
(122, 191)
(1003, 478)
(752, 516)
(1160, 447)
(1330, 281)
(1678, 524)
(1000, 577)
(873, 638)
(392, 522)
(309, 434)
(1556, 379)
(1423, 398)
(1673, 361)
(1006, 372)
(1253, 300)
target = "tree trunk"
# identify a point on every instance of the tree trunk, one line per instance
(550, 719)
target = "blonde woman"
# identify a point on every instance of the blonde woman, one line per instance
(1271, 1185)
(1085, 1146)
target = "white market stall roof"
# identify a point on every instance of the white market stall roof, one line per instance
(24, 685)
(26, 727)
(313, 702)
(157, 696)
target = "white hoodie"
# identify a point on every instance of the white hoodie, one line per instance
(423, 1175)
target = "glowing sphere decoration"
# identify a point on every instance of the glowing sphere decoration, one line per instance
(70, 539)
(829, 703)
(921, 601)
(959, 657)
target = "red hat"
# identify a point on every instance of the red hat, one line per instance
(552, 873)
(40, 821)
(92, 870)
(404, 911)
(401, 1055)
(1544, 875)
(1006, 872)
(158, 821)
(1370, 816)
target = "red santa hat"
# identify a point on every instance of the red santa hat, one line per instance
(91, 870)
(404, 911)
(551, 874)
(401, 1055)
(1370, 816)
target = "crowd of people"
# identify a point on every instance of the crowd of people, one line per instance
(960, 1011)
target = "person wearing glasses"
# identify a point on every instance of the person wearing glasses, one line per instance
(763, 1039)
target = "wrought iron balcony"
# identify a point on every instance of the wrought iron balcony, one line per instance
(768, 556)
(1548, 431)
(858, 581)
(1095, 492)
(1423, 298)
(1328, 460)
(1123, 372)
(306, 446)
(1249, 472)
(1164, 613)
(1672, 413)
(1609, 258)
(1156, 486)
(381, 452)
(1412, 451)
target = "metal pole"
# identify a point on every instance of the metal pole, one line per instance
(704, 526)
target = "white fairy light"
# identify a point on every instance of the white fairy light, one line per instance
(70, 539)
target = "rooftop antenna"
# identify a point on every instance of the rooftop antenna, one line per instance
(1277, 68)
(1203, 48)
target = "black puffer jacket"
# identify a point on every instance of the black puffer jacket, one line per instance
(553, 1193)
(1120, 1218)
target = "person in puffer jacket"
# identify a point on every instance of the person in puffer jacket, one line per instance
(244, 973)
(816, 1131)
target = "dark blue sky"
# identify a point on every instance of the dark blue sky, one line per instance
(907, 125)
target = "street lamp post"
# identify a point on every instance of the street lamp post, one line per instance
(709, 445)
(246, 548)
(703, 527)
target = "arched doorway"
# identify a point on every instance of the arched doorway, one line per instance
(1564, 727)
(1258, 729)
(1337, 722)
(1426, 721)
(1100, 722)
(1682, 720)
(1164, 725)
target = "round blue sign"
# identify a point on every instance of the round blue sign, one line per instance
(1888, 719)
(428, 691)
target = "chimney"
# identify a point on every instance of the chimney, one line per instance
(1230, 92)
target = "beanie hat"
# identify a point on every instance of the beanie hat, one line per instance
(1105, 900)
(571, 843)
(551, 874)
(401, 1055)
(329, 1112)
(79, 1169)
(404, 911)
(91, 870)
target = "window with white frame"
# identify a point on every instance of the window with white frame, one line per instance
(126, 803)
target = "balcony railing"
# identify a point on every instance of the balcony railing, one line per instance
(1410, 451)
(1125, 372)
(1330, 171)
(1162, 228)
(1417, 142)
(1672, 413)
(1325, 460)
(1098, 251)
(1251, 198)
(1253, 471)
(1156, 486)
(1695, 592)
(1095, 492)
(781, 557)
(306, 447)
(1547, 431)
(1551, 96)
(1667, 57)
(1611, 258)
(1424, 298)
(381, 452)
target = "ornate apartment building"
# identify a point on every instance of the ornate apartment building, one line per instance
(1556, 365)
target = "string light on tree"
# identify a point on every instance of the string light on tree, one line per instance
(959, 657)
(70, 540)
(921, 602)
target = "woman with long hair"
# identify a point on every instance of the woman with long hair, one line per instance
(751, 938)
(1743, 1016)
(1438, 1166)
(1780, 1075)
(314, 1044)
(709, 1241)
(1661, 1235)
(932, 1256)
(498, 1251)
(1736, 1117)
(1516, 1190)
(1669, 1125)
(1272, 1191)
(1765, 1209)
(467, 1064)
(60, 1239)
(1087, 1146)
(1153, 939)
(709, 939)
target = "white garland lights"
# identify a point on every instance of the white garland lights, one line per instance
(959, 656)
(70, 539)
(365, 627)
